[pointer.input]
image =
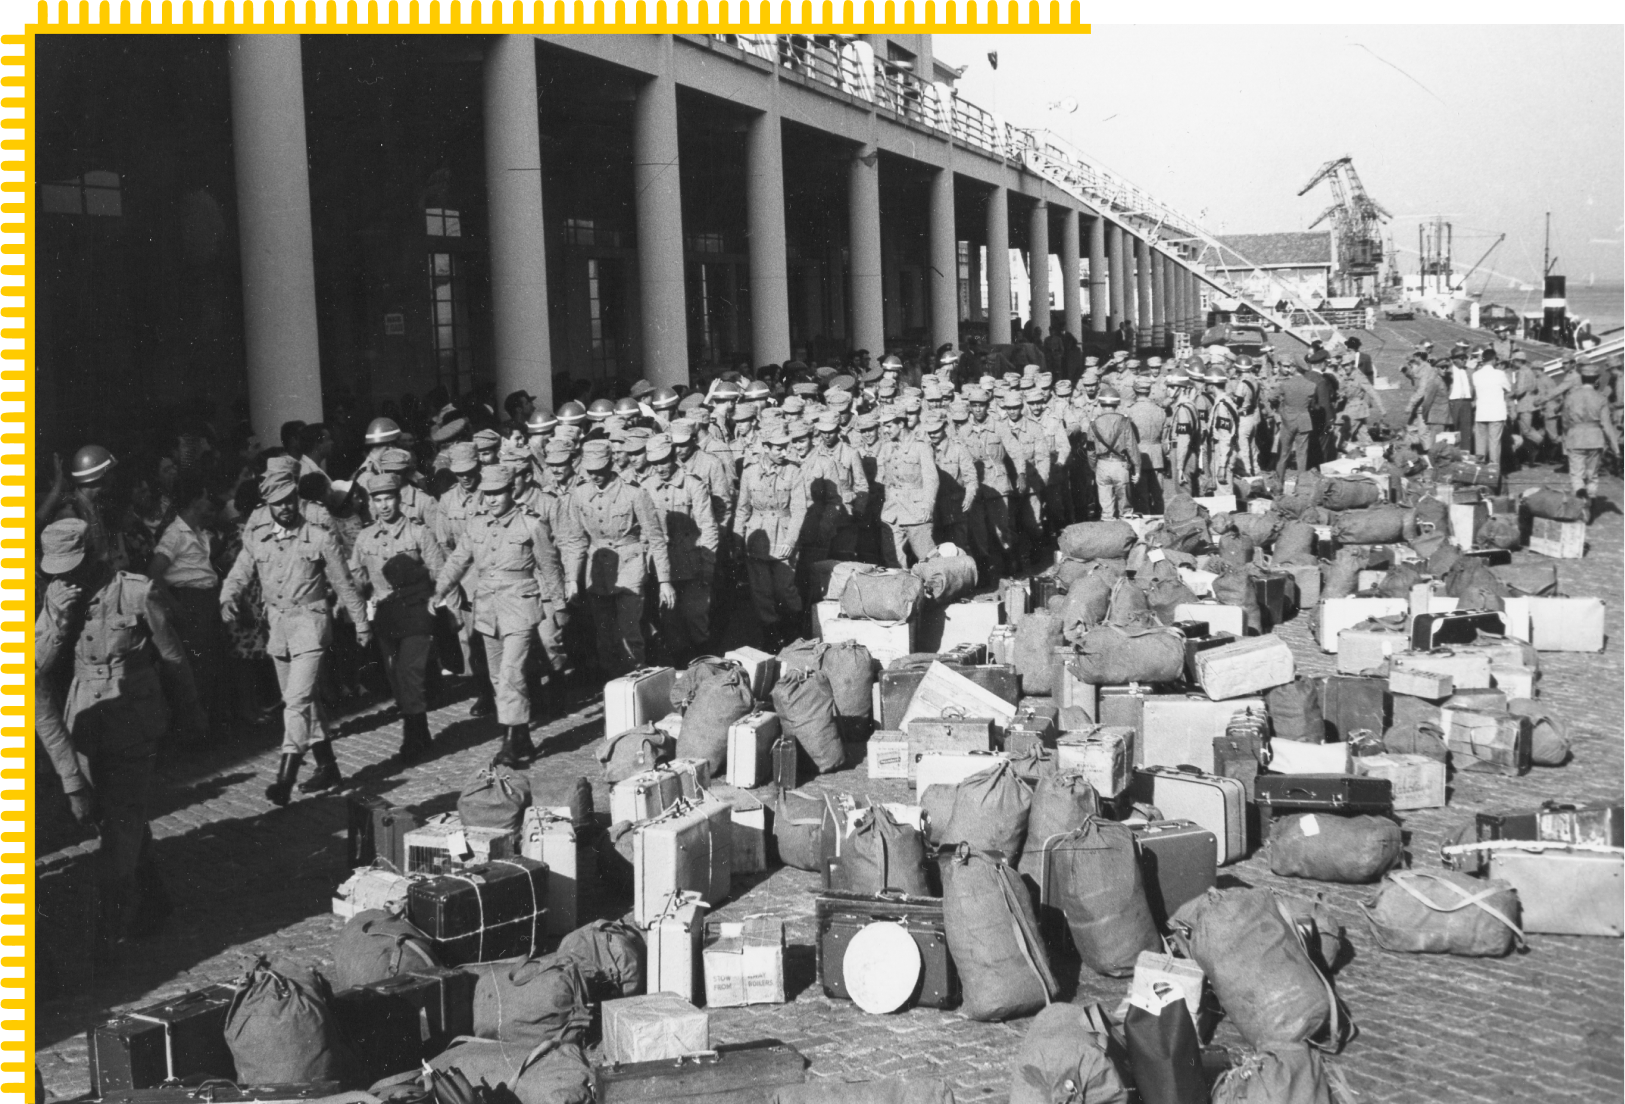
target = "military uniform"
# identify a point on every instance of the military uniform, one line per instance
(456, 509)
(1028, 448)
(1058, 487)
(1149, 422)
(957, 489)
(397, 562)
(1247, 399)
(988, 519)
(1117, 453)
(1223, 423)
(838, 490)
(690, 522)
(772, 510)
(1587, 430)
(908, 473)
(1186, 429)
(615, 536)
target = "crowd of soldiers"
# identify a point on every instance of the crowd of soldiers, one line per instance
(572, 544)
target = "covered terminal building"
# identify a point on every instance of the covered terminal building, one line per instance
(255, 222)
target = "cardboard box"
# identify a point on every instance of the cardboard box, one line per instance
(1560, 540)
(1245, 667)
(652, 1028)
(1433, 685)
(370, 888)
(888, 758)
(1467, 671)
(1418, 781)
(744, 963)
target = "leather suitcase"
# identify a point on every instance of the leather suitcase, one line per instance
(840, 916)
(641, 697)
(1280, 794)
(1192, 630)
(1031, 728)
(1490, 557)
(1352, 704)
(690, 848)
(741, 1073)
(1124, 706)
(968, 734)
(1565, 891)
(897, 687)
(750, 750)
(1179, 860)
(172, 1039)
(1272, 589)
(384, 1024)
(1435, 630)
(1043, 588)
(1243, 749)
(377, 830)
(484, 913)
(1185, 793)
(1105, 755)
(644, 796)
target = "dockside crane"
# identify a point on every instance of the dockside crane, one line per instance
(1356, 220)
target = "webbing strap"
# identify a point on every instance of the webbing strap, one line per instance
(1467, 899)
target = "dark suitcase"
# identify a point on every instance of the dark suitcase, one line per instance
(1471, 473)
(1272, 589)
(1490, 557)
(1435, 630)
(786, 759)
(1043, 588)
(966, 655)
(1555, 821)
(1179, 861)
(1346, 794)
(897, 687)
(740, 1073)
(383, 1026)
(1195, 645)
(1031, 728)
(1240, 753)
(1350, 703)
(840, 916)
(485, 913)
(377, 830)
(1192, 630)
(223, 1092)
(173, 1039)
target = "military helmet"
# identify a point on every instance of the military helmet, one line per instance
(90, 464)
(600, 409)
(572, 413)
(382, 431)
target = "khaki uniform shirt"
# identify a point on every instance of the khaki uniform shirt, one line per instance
(957, 481)
(772, 510)
(298, 569)
(908, 474)
(518, 567)
(1028, 447)
(399, 591)
(614, 537)
(985, 444)
(691, 526)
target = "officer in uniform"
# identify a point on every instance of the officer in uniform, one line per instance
(518, 580)
(1149, 422)
(1185, 428)
(1247, 397)
(1117, 454)
(1588, 429)
(988, 521)
(864, 437)
(957, 483)
(769, 520)
(908, 473)
(396, 560)
(1223, 425)
(690, 521)
(101, 714)
(613, 538)
(299, 567)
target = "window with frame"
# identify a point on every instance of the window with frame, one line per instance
(97, 192)
(448, 305)
(962, 253)
(443, 222)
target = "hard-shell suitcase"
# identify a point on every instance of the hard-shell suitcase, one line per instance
(1002, 640)
(1185, 793)
(672, 942)
(742, 1073)
(550, 835)
(172, 1039)
(1243, 749)
(1180, 862)
(897, 686)
(1104, 753)
(1435, 630)
(640, 697)
(689, 848)
(1272, 588)
(947, 735)
(377, 830)
(1245, 667)
(1280, 794)
(1195, 645)
(1043, 588)
(384, 1023)
(1565, 890)
(1179, 729)
(1498, 742)
(644, 796)
(1352, 704)
(840, 916)
(1068, 691)
(1030, 729)
(786, 757)
(482, 913)
(950, 768)
(750, 750)
(761, 669)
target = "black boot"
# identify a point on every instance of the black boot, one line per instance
(484, 705)
(326, 775)
(507, 753)
(415, 743)
(277, 792)
(522, 747)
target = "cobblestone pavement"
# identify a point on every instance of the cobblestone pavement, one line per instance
(250, 879)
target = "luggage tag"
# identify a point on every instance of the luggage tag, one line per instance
(457, 844)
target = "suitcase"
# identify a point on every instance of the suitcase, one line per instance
(761, 668)
(1031, 728)
(1179, 861)
(1306, 582)
(1274, 604)
(1243, 749)
(786, 756)
(739, 1073)
(970, 621)
(1467, 670)
(1489, 557)
(1185, 793)
(641, 697)
(1068, 691)
(950, 768)
(840, 916)
(1337, 614)
(644, 796)
(886, 640)
(1436, 630)
(1124, 706)
(172, 1039)
(673, 947)
(1197, 644)
(482, 913)
(444, 845)
(377, 830)
(689, 848)
(1558, 540)
(1427, 684)
(1245, 667)
(1601, 824)
(1362, 650)
(969, 734)
(224, 1092)
(747, 816)
(1563, 890)
(1191, 630)
(1179, 729)
(1104, 753)
(385, 1024)
(1351, 704)
(896, 687)
(1566, 624)
(1418, 781)
(1280, 794)
(1017, 597)
(1497, 742)
(1479, 700)
(1219, 618)
(1001, 640)
(549, 836)
(750, 750)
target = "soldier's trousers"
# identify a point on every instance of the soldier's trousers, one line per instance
(687, 625)
(988, 525)
(506, 656)
(1583, 466)
(897, 539)
(550, 631)
(616, 620)
(1222, 462)
(1247, 446)
(119, 762)
(406, 660)
(1533, 436)
(296, 675)
(772, 586)
(1112, 482)
(1187, 463)
(1027, 520)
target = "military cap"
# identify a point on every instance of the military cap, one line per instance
(691, 401)
(1091, 378)
(287, 465)
(745, 412)
(558, 453)
(640, 388)
(842, 382)
(393, 460)
(277, 485)
(637, 439)
(511, 453)
(62, 546)
(1519, 354)
(805, 388)
(934, 421)
(793, 405)
(1132, 364)
(1142, 386)
(872, 374)
(448, 429)
(617, 435)
(568, 434)
(381, 483)
(912, 404)
(869, 419)
(1589, 370)
(461, 457)
(1153, 362)
(887, 389)
(987, 381)
(975, 393)
(828, 422)
(959, 412)
(658, 448)
(839, 400)
(798, 429)
(1063, 389)
(1091, 362)
(496, 477)
(1011, 401)
(891, 412)
(776, 435)
(487, 439)
(682, 430)
(596, 456)
(1045, 380)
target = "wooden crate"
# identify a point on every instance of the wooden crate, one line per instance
(1561, 540)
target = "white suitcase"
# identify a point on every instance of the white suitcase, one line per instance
(1245, 667)
(642, 697)
(1219, 618)
(1337, 614)
(548, 835)
(950, 768)
(971, 621)
(673, 941)
(1467, 671)
(1179, 729)
(1362, 650)
(1105, 755)
(886, 640)
(761, 669)
(1217, 804)
(1517, 682)
(1565, 890)
(649, 794)
(443, 843)
(1292, 757)
(750, 749)
(1566, 624)
(688, 849)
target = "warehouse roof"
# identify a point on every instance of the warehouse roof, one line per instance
(1294, 249)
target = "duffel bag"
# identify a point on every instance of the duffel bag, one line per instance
(1499, 531)
(1087, 601)
(1097, 540)
(1432, 515)
(496, 797)
(885, 1090)
(800, 655)
(1445, 912)
(610, 955)
(1261, 529)
(718, 702)
(1341, 577)
(1399, 581)
(1536, 578)
(1295, 711)
(690, 678)
(1294, 506)
(280, 1031)
(1295, 543)
(798, 830)
(1258, 962)
(1377, 525)
(551, 1073)
(1349, 849)
(1543, 502)
(1164, 1050)
(805, 703)
(528, 1002)
(1234, 587)
(375, 945)
(1166, 595)
(1070, 1053)
(1285, 1073)
(946, 577)
(1063, 801)
(1112, 655)
(1549, 742)
(1474, 586)
(879, 854)
(1091, 876)
(990, 812)
(1068, 572)
(1420, 738)
(851, 673)
(1128, 605)
(634, 751)
(1474, 473)
(1037, 637)
(993, 938)
(1236, 549)
(1191, 536)
(1349, 494)
(880, 594)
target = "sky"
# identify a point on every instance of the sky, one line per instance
(1491, 126)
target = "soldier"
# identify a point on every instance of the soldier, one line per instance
(690, 520)
(1527, 388)
(1029, 452)
(396, 560)
(1223, 426)
(663, 402)
(1184, 430)
(864, 437)
(613, 539)
(1300, 406)
(1050, 419)
(989, 518)
(1359, 399)
(459, 504)
(518, 580)
(299, 567)
(1118, 454)
(101, 714)
(1430, 399)
(1247, 398)
(382, 433)
(539, 429)
(837, 481)
(716, 476)
(908, 473)
(488, 446)
(957, 484)
(416, 503)
(772, 510)
(1587, 430)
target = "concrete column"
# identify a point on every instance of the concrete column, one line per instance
(1038, 264)
(998, 266)
(944, 275)
(1071, 293)
(273, 231)
(1100, 308)
(1182, 300)
(868, 290)
(1159, 301)
(769, 255)
(1142, 272)
(1115, 275)
(660, 227)
(978, 310)
(518, 249)
(1131, 286)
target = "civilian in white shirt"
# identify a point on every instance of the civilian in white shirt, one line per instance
(1461, 395)
(183, 570)
(1490, 387)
